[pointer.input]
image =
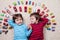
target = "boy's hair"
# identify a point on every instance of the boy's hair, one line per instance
(37, 16)
(15, 16)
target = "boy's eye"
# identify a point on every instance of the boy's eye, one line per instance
(16, 19)
(20, 19)
(32, 18)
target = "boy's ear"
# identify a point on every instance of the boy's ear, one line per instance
(14, 21)
(37, 20)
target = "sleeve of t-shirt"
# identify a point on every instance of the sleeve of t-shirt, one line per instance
(11, 23)
(28, 32)
(44, 21)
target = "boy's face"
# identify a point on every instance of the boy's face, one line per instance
(18, 21)
(33, 19)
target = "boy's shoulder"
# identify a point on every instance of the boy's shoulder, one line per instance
(24, 25)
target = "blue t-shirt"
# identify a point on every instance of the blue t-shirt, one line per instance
(21, 32)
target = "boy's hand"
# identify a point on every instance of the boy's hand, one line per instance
(29, 27)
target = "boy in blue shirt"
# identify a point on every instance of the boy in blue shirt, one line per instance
(21, 31)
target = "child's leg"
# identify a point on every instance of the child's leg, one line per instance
(40, 39)
(36, 38)
(33, 38)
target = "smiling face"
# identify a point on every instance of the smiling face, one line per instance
(33, 20)
(19, 21)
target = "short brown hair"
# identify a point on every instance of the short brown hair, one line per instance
(15, 16)
(37, 16)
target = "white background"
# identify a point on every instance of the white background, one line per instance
(53, 5)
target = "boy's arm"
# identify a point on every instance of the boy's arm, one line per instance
(28, 32)
(11, 23)
(44, 21)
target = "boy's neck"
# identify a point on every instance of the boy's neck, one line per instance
(36, 22)
(20, 24)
